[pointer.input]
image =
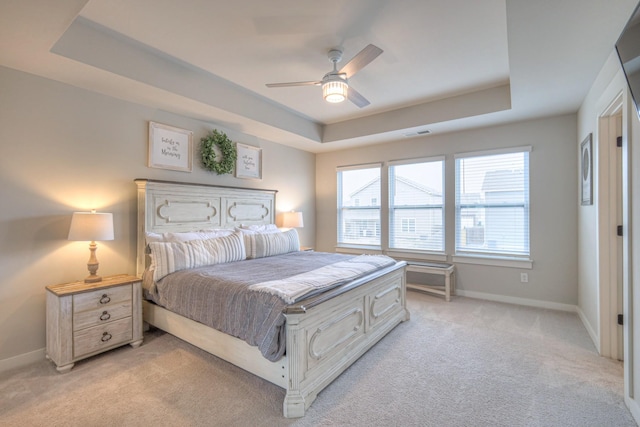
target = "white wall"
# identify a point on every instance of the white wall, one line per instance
(65, 149)
(554, 199)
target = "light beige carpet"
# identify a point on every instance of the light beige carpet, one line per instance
(463, 363)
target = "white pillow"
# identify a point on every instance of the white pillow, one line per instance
(168, 257)
(153, 237)
(196, 235)
(261, 228)
(259, 245)
(185, 236)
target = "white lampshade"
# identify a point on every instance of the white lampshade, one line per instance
(292, 220)
(335, 90)
(91, 226)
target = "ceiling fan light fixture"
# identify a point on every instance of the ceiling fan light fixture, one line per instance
(335, 90)
(335, 86)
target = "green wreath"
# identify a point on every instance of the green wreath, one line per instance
(209, 156)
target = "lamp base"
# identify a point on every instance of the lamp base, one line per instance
(92, 266)
(93, 279)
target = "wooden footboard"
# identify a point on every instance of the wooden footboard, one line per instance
(325, 335)
(328, 337)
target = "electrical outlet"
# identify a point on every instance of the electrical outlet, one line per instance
(524, 277)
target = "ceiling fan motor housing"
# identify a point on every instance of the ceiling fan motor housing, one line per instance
(334, 76)
(335, 55)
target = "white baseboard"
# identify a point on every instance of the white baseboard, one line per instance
(592, 333)
(633, 408)
(518, 301)
(22, 360)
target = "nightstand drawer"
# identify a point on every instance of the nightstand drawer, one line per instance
(102, 315)
(100, 337)
(101, 298)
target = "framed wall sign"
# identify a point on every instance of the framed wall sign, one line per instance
(170, 147)
(586, 173)
(249, 162)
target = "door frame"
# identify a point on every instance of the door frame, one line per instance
(611, 124)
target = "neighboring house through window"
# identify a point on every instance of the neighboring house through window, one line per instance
(409, 225)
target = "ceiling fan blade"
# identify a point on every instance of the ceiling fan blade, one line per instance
(294, 84)
(361, 59)
(355, 97)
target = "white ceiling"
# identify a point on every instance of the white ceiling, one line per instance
(447, 64)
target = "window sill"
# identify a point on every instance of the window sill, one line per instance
(494, 261)
(419, 256)
(370, 250)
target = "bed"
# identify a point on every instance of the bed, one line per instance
(323, 334)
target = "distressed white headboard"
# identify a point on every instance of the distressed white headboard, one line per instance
(165, 206)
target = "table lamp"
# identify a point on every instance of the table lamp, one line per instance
(292, 220)
(91, 226)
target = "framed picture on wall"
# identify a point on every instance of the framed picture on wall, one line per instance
(249, 162)
(586, 173)
(170, 147)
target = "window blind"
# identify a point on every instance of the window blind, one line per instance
(492, 203)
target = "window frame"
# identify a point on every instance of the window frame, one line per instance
(437, 254)
(341, 209)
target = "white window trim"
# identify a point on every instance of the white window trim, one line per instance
(352, 247)
(462, 258)
(358, 249)
(418, 160)
(387, 248)
(416, 255)
(357, 167)
(495, 259)
(521, 149)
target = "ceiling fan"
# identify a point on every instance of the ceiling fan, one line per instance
(335, 84)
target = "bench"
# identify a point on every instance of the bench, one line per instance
(443, 269)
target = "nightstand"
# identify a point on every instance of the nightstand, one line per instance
(85, 319)
(306, 248)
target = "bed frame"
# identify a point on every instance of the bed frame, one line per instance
(324, 334)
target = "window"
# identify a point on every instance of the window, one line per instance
(416, 205)
(408, 225)
(492, 203)
(359, 221)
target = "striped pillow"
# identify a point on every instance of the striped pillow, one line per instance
(262, 245)
(167, 257)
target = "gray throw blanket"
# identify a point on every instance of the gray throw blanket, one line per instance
(293, 288)
(217, 296)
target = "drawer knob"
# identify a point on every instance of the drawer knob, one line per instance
(105, 337)
(105, 316)
(105, 299)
